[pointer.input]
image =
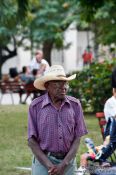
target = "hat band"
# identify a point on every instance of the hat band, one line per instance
(61, 76)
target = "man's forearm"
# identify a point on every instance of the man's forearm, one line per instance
(60, 168)
(33, 144)
(41, 69)
(72, 152)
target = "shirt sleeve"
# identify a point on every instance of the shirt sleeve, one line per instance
(32, 127)
(80, 128)
(46, 63)
(109, 109)
(106, 110)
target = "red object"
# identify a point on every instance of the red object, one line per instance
(102, 121)
(92, 156)
(87, 57)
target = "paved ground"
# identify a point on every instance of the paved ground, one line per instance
(7, 99)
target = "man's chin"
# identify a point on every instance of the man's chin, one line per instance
(62, 96)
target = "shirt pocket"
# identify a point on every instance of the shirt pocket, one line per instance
(70, 123)
(45, 124)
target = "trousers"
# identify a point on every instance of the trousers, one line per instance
(107, 151)
(39, 169)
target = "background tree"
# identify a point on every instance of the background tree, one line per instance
(49, 21)
(11, 15)
(44, 25)
(100, 17)
(46, 22)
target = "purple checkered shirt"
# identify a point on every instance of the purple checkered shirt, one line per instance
(55, 129)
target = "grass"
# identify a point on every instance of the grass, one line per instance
(14, 151)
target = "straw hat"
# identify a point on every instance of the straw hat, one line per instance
(55, 72)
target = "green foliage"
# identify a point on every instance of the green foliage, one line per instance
(22, 8)
(51, 20)
(89, 8)
(10, 19)
(105, 18)
(7, 22)
(100, 13)
(93, 85)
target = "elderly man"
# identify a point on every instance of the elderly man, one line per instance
(55, 125)
(39, 63)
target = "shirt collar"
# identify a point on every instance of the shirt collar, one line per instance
(67, 100)
(47, 100)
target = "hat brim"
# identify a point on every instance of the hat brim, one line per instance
(40, 82)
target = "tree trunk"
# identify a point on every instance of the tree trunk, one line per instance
(96, 50)
(0, 62)
(47, 49)
(94, 29)
(4, 58)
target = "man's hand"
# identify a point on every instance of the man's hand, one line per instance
(52, 170)
(57, 169)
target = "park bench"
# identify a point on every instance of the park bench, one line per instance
(11, 87)
(30, 89)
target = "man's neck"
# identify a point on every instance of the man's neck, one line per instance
(56, 102)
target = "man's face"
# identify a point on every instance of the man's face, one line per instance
(39, 56)
(57, 89)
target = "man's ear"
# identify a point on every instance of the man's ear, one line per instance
(46, 85)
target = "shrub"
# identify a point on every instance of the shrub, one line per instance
(93, 85)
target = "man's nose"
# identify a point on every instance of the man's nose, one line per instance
(64, 86)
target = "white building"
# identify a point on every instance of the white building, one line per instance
(70, 58)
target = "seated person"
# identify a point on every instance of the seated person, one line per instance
(30, 89)
(32, 77)
(104, 151)
(39, 63)
(42, 69)
(13, 74)
(110, 106)
(24, 75)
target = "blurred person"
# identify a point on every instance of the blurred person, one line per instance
(104, 151)
(55, 125)
(114, 78)
(94, 153)
(39, 63)
(24, 75)
(110, 106)
(29, 88)
(13, 74)
(87, 57)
